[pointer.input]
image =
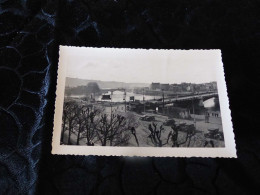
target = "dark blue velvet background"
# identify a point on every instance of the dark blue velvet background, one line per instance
(30, 32)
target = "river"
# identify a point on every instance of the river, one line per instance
(210, 103)
(118, 96)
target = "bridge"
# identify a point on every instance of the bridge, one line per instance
(112, 90)
(169, 100)
(202, 97)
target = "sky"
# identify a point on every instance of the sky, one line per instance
(141, 66)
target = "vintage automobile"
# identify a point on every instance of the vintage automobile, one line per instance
(181, 125)
(169, 122)
(147, 118)
(214, 133)
(186, 127)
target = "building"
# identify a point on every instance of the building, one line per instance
(201, 88)
(175, 112)
(175, 88)
(155, 86)
(146, 88)
(188, 88)
(191, 87)
(214, 85)
(165, 87)
(184, 86)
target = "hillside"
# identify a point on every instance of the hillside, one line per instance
(74, 82)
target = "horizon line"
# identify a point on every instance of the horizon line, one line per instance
(140, 82)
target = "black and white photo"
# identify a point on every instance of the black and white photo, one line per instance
(135, 100)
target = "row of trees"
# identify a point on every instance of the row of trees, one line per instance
(94, 125)
(92, 87)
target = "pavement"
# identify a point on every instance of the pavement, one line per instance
(142, 131)
(198, 140)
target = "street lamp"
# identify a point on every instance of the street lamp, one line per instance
(194, 119)
(143, 100)
(125, 98)
(111, 102)
(163, 98)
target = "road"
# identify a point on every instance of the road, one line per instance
(142, 131)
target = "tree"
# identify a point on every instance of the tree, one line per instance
(79, 120)
(173, 136)
(132, 123)
(64, 119)
(113, 130)
(155, 134)
(96, 126)
(69, 114)
(90, 117)
(92, 87)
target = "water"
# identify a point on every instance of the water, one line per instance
(118, 96)
(209, 103)
(77, 96)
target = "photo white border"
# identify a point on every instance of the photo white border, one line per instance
(229, 151)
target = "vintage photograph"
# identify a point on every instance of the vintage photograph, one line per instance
(153, 98)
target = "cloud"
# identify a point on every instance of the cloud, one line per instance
(143, 66)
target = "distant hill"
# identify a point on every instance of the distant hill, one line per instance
(74, 82)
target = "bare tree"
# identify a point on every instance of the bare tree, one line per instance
(79, 120)
(113, 130)
(155, 134)
(173, 136)
(96, 126)
(64, 119)
(71, 116)
(132, 124)
(68, 118)
(90, 116)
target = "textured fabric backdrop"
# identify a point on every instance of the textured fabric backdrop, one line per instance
(30, 32)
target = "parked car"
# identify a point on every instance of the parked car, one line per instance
(147, 118)
(214, 133)
(169, 122)
(181, 125)
(186, 127)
